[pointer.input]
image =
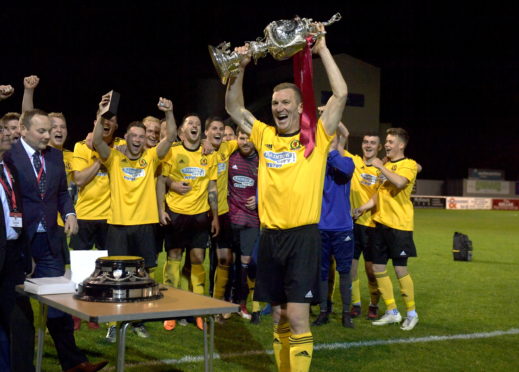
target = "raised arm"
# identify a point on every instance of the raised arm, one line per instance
(343, 134)
(234, 103)
(29, 84)
(335, 105)
(6, 91)
(100, 145)
(166, 106)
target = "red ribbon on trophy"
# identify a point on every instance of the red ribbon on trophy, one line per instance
(303, 78)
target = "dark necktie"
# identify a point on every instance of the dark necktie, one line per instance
(2, 175)
(7, 185)
(41, 179)
(41, 176)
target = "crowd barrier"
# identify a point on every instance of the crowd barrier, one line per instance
(464, 202)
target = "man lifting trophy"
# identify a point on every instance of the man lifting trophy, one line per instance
(291, 171)
(282, 40)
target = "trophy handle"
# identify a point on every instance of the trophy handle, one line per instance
(335, 18)
(258, 49)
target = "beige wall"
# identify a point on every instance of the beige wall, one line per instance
(362, 78)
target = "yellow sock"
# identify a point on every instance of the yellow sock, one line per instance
(172, 272)
(256, 306)
(301, 348)
(374, 293)
(198, 278)
(355, 292)
(386, 289)
(281, 346)
(152, 272)
(185, 276)
(407, 291)
(221, 276)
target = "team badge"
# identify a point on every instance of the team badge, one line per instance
(393, 168)
(295, 145)
(143, 163)
(203, 161)
(222, 156)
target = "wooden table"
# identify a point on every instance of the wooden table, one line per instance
(176, 303)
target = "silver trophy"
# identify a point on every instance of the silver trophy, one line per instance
(282, 40)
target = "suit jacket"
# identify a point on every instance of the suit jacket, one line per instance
(56, 198)
(21, 243)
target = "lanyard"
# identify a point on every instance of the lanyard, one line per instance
(8, 190)
(41, 168)
(40, 172)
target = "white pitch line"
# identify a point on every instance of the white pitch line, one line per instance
(331, 346)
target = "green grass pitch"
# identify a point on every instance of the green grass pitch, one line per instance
(459, 303)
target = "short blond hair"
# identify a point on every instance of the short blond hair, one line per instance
(151, 118)
(57, 115)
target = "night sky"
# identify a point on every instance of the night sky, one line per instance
(450, 73)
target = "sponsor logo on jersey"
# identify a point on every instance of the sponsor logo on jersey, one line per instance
(132, 174)
(368, 179)
(234, 166)
(269, 146)
(278, 159)
(222, 167)
(191, 173)
(243, 182)
(309, 295)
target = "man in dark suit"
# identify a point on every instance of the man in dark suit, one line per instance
(16, 317)
(43, 186)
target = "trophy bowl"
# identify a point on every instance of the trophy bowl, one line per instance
(226, 64)
(282, 39)
(119, 279)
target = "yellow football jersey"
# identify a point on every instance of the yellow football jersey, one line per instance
(93, 201)
(394, 206)
(197, 170)
(67, 160)
(290, 186)
(364, 184)
(222, 155)
(133, 198)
